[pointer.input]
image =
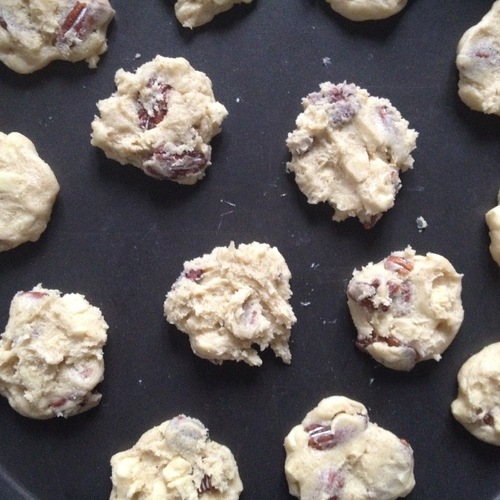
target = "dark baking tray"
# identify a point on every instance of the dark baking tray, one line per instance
(120, 238)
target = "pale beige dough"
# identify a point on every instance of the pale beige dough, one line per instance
(160, 119)
(33, 33)
(493, 221)
(348, 150)
(336, 452)
(28, 190)
(365, 10)
(477, 406)
(175, 461)
(406, 308)
(51, 354)
(234, 299)
(478, 63)
(194, 13)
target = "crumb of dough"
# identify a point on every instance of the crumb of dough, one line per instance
(421, 223)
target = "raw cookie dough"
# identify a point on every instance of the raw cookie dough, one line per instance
(161, 120)
(175, 461)
(477, 406)
(51, 355)
(28, 189)
(364, 10)
(338, 453)
(34, 33)
(478, 63)
(234, 299)
(406, 308)
(493, 221)
(194, 13)
(348, 150)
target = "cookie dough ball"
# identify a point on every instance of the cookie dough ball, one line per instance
(176, 460)
(336, 452)
(34, 33)
(477, 406)
(406, 308)
(51, 356)
(364, 10)
(28, 190)
(161, 120)
(478, 63)
(234, 299)
(493, 221)
(348, 150)
(194, 13)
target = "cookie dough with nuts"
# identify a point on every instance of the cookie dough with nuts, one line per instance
(176, 460)
(477, 406)
(34, 33)
(478, 63)
(194, 13)
(232, 300)
(493, 221)
(28, 190)
(51, 354)
(336, 452)
(406, 308)
(348, 150)
(364, 10)
(161, 119)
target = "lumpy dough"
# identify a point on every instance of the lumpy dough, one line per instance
(51, 354)
(194, 13)
(28, 189)
(160, 119)
(336, 452)
(406, 308)
(478, 63)
(348, 150)
(175, 461)
(234, 299)
(364, 10)
(34, 33)
(477, 406)
(493, 221)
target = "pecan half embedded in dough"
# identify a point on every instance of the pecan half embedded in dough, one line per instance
(154, 106)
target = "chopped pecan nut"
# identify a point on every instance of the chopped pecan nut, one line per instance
(175, 166)
(489, 419)
(152, 112)
(371, 221)
(3, 23)
(206, 485)
(398, 264)
(194, 274)
(36, 295)
(321, 437)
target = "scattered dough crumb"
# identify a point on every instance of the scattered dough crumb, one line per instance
(421, 223)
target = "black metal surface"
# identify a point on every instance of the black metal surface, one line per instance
(120, 238)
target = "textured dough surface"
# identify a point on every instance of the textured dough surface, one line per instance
(160, 119)
(364, 10)
(493, 221)
(478, 63)
(175, 461)
(336, 452)
(28, 189)
(194, 13)
(348, 150)
(406, 308)
(34, 33)
(51, 356)
(234, 299)
(477, 406)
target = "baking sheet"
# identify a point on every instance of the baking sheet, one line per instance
(120, 238)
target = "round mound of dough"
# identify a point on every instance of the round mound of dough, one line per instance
(477, 406)
(365, 10)
(176, 460)
(406, 308)
(478, 63)
(160, 119)
(234, 299)
(34, 33)
(51, 356)
(493, 221)
(336, 452)
(194, 13)
(348, 150)
(28, 190)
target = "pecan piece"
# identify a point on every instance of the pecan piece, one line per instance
(371, 221)
(206, 485)
(154, 110)
(36, 295)
(175, 166)
(3, 24)
(194, 274)
(488, 419)
(398, 264)
(321, 437)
